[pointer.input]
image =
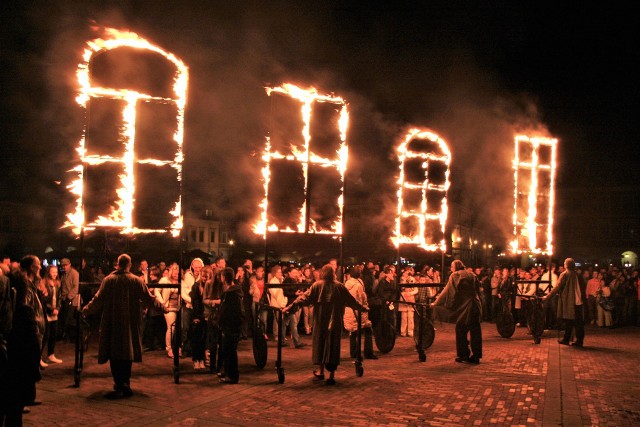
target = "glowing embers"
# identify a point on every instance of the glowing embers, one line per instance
(534, 168)
(305, 163)
(134, 96)
(422, 190)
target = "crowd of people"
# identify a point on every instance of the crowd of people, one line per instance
(219, 305)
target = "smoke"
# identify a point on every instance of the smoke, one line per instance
(232, 53)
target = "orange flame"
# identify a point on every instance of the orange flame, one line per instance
(306, 157)
(122, 215)
(426, 213)
(525, 227)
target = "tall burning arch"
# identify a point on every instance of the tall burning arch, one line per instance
(298, 146)
(120, 212)
(423, 183)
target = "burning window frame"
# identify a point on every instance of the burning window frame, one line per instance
(423, 215)
(527, 227)
(306, 157)
(121, 216)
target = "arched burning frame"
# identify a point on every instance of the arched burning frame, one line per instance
(422, 190)
(298, 143)
(534, 170)
(120, 212)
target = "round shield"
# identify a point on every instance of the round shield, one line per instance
(260, 351)
(505, 324)
(384, 333)
(428, 333)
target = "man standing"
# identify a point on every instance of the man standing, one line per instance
(573, 299)
(461, 296)
(69, 288)
(119, 302)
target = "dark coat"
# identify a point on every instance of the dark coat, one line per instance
(461, 297)
(231, 312)
(120, 300)
(23, 365)
(566, 288)
(329, 301)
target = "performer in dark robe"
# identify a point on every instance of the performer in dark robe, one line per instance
(329, 299)
(461, 297)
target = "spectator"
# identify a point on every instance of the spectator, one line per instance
(190, 277)
(18, 386)
(605, 305)
(277, 298)
(593, 286)
(69, 288)
(355, 286)
(50, 299)
(169, 299)
(230, 320)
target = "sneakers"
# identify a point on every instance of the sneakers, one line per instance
(198, 365)
(43, 364)
(54, 359)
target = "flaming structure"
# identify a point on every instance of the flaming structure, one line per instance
(302, 151)
(422, 190)
(534, 167)
(120, 213)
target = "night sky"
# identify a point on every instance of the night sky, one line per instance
(476, 76)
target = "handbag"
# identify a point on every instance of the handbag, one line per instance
(606, 303)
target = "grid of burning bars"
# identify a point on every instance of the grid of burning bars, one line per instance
(426, 213)
(526, 226)
(122, 216)
(306, 157)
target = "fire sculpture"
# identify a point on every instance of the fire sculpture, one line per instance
(121, 213)
(422, 192)
(305, 155)
(534, 168)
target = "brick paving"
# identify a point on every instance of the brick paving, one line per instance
(518, 383)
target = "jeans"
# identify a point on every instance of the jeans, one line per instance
(187, 318)
(292, 320)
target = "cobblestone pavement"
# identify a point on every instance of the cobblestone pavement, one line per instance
(517, 383)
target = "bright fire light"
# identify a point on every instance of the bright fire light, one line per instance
(306, 157)
(121, 215)
(429, 211)
(534, 200)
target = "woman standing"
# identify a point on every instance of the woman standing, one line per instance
(170, 301)
(198, 329)
(329, 299)
(50, 297)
